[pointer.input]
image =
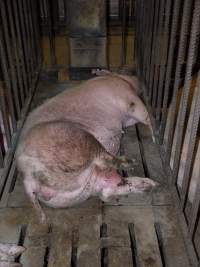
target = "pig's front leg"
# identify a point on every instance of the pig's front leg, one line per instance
(128, 185)
(122, 162)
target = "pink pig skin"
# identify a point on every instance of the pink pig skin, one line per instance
(103, 106)
(63, 165)
(68, 145)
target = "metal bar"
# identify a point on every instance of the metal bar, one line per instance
(1, 154)
(123, 33)
(136, 35)
(15, 54)
(187, 81)
(35, 8)
(152, 63)
(180, 59)
(28, 37)
(189, 142)
(15, 138)
(149, 39)
(5, 115)
(25, 43)
(21, 54)
(31, 34)
(51, 34)
(151, 45)
(142, 37)
(195, 205)
(164, 48)
(10, 60)
(174, 28)
(158, 53)
(192, 132)
(8, 83)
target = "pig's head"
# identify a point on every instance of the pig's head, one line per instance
(133, 109)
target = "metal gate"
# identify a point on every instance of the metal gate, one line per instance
(20, 58)
(167, 53)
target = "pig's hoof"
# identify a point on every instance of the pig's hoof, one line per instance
(146, 185)
(140, 185)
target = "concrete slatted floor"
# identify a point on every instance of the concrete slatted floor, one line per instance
(139, 230)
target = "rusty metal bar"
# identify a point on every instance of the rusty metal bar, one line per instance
(25, 44)
(152, 63)
(195, 211)
(5, 114)
(51, 33)
(31, 34)
(8, 83)
(35, 8)
(174, 28)
(163, 62)
(28, 37)
(1, 153)
(158, 54)
(149, 36)
(19, 37)
(187, 81)
(15, 54)
(13, 80)
(180, 59)
(123, 33)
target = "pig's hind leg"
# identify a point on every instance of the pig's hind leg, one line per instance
(127, 186)
(32, 191)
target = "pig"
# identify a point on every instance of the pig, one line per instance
(103, 106)
(63, 165)
(8, 253)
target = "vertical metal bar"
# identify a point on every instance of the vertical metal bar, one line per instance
(10, 59)
(149, 31)
(65, 12)
(16, 55)
(152, 63)
(142, 37)
(190, 139)
(150, 49)
(5, 115)
(174, 28)
(123, 33)
(158, 53)
(1, 154)
(28, 36)
(31, 34)
(35, 8)
(25, 42)
(51, 34)
(136, 35)
(195, 211)
(8, 83)
(181, 56)
(147, 8)
(184, 100)
(21, 54)
(164, 48)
